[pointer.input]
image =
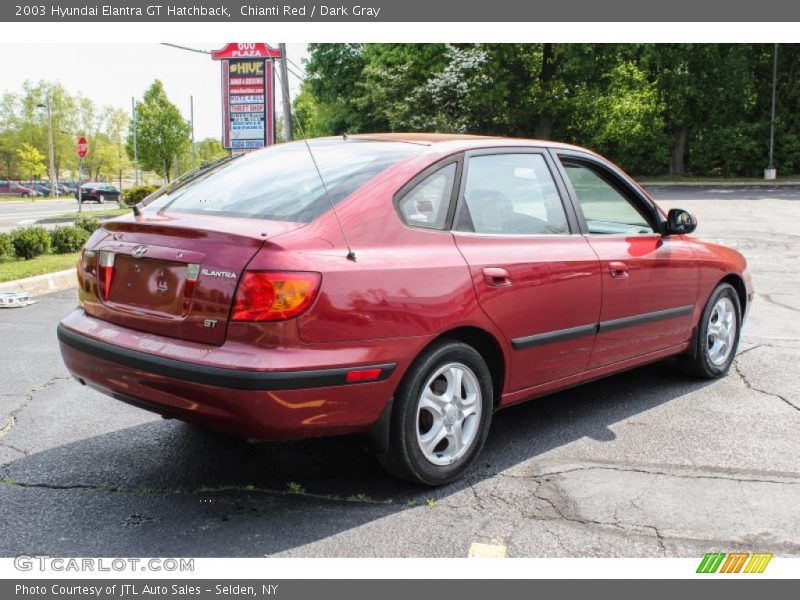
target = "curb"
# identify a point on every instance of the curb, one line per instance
(43, 284)
(645, 183)
(58, 220)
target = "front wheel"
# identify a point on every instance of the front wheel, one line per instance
(716, 336)
(101, 199)
(441, 415)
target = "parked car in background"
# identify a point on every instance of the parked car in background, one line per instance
(98, 192)
(457, 276)
(66, 188)
(41, 189)
(12, 188)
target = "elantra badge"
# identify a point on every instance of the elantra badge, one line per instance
(218, 273)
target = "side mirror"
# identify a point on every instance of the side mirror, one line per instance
(680, 221)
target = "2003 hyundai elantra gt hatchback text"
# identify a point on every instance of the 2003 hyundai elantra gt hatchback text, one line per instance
(456, 275)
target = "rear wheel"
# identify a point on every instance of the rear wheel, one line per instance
(716, 335)
(441, 415)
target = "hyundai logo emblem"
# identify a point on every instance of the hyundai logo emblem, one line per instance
(140, 251)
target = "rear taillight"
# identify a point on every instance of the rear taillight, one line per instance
(87, 268)
(274, 296)
(105, 273)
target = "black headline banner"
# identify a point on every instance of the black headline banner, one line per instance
(397, 589)
(397, 11)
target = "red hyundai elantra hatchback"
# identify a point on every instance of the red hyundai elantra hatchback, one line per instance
(455, 276)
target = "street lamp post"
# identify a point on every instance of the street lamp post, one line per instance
(771, 172)
(191, 118)
(50, 146)
(135, 143)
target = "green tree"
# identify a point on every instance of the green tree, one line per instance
(209, 150)
(333, 73)
(162, 133)
(31, 161)
(116, 123)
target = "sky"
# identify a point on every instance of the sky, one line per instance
(110, 74)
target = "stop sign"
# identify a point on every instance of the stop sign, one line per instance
(82, 148)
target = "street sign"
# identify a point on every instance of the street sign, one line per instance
(82, 148)
(248, 107)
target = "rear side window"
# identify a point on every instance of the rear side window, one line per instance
(427, 203)
(511, 194)
(281, 183)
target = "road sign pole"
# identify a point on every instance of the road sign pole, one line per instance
(80, 185)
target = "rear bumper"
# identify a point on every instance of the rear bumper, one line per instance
(263, 404)
(209, 375)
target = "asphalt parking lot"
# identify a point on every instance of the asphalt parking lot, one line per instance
(646, 463)
(19, 213)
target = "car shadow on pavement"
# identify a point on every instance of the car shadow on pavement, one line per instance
(166, 488)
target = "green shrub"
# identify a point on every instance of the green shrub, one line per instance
(136, 194)
(6, 248)
(30, 242)
(68, 239)
(88, 224)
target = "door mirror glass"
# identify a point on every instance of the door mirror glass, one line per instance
(680, 221)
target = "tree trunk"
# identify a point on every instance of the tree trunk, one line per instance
(544, 126)
(677, 166)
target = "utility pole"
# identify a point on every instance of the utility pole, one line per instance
(135, 143)
(191, 118)
(771, 172)
(51, 171)
(287, 106)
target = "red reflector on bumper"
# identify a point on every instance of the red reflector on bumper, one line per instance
(364, 375)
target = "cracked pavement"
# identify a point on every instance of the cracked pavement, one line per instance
(646, 463)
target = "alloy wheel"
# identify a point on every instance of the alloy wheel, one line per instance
(721, 331)
(448, 414)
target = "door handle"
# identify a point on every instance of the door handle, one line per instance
(618, 269)
(496, 277)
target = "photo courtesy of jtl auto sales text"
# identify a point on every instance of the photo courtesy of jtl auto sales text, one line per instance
(359, 301)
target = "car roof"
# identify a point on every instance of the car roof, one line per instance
(459, 142)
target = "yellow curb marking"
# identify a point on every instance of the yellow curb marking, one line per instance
(477, 550)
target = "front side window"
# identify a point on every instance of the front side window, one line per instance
(511, 194)
(605, 209)
(427, 203)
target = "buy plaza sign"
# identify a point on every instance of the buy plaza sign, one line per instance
(248, 101)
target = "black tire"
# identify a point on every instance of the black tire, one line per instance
(101, 199)
(404, 458)
(25, 195)
(699, 363)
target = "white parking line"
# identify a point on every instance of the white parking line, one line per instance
(478, 550)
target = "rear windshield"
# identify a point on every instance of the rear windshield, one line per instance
(282, 184)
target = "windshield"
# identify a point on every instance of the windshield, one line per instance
(281, 183)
